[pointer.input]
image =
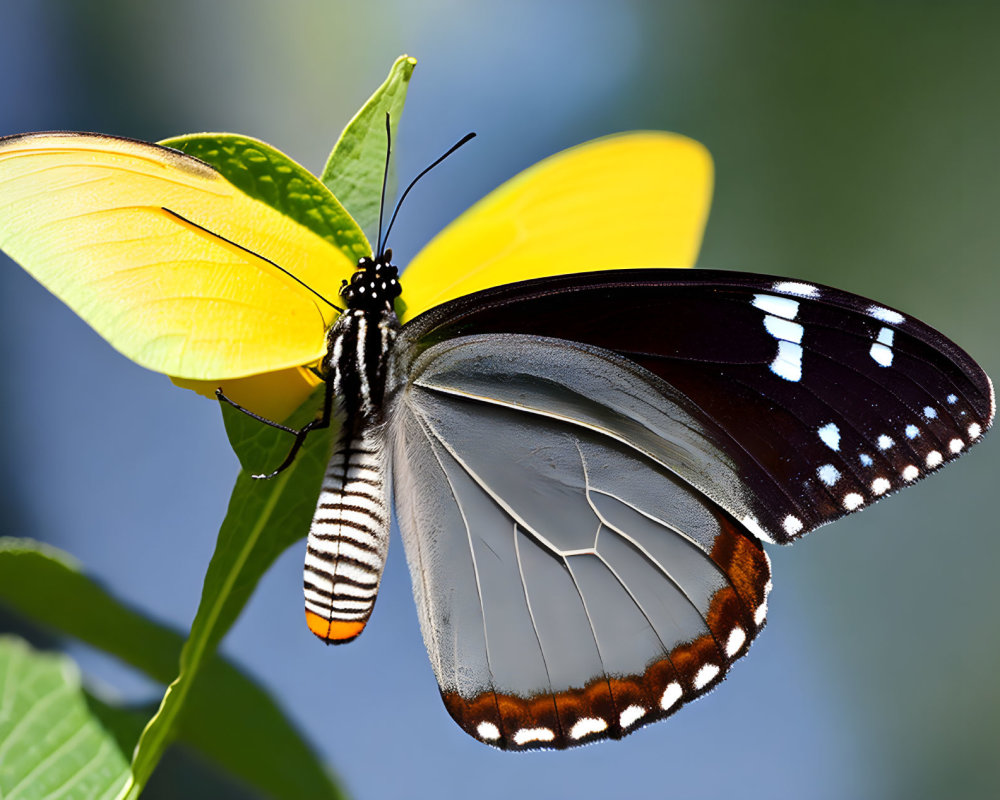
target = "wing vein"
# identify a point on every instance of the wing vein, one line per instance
(534, 627)
(428, 430)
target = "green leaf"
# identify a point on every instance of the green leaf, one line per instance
(51, 746)
(268, 175)
(355, 168)
(228, 718)
(123, 722)
(264, 518)
(184, 771)
(74, 604)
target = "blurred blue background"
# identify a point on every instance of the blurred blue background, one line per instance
(856, 144)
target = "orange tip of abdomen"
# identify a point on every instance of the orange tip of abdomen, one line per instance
(333, 631)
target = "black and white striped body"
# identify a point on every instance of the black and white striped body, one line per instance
(349, 536)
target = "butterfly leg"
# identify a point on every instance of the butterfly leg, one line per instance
(299, 434)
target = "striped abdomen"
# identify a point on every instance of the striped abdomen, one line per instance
(349, 536)
(348, 540)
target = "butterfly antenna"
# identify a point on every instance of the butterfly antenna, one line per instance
(385, 179)
(467, 138)
(248, 251)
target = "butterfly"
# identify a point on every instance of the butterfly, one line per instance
(585, 450)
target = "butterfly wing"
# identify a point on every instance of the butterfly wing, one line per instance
(824, 400)
(584, 466)
(571, 583)
(166, 259)
(632, 200)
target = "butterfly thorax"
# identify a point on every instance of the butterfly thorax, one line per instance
(359, 342)
(349, 536)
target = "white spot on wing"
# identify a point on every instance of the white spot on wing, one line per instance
(853, 501)
(974, 430)
(526, 735)
(912, 431)
(794, 287)
(830, 434)
(488, 731)
(737, 636)
(779, 306)
(783, 329)
(670, 695)
(788, 363)
(933, 459)
(829, 474)
(910, 472)
(956, 445)
(792, 525)
(631, 715)
(587, 726)
(881, 351)
(881, 354)
(885, 442)
(929, 412)
(705, 675)
(880, 486)
(761, 613)
(885, 315)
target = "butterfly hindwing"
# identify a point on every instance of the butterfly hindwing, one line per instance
(822, 400)
(571, 585)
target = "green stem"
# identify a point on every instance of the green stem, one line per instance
(154, 739)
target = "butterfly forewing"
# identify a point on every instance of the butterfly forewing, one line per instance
(571, 585)
(821, 401)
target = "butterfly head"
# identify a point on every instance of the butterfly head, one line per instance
(374, 284)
